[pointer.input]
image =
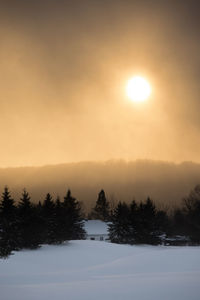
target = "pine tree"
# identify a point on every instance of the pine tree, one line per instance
(74, 220)
(162, 222)
(30, 223)
(61, 223)
(101, 210)
(49, 220)
(147, 226)
(192, 215)
(119, 229)
(9, 239)
(134, 221)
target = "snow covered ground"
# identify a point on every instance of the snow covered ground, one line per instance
(91, 270)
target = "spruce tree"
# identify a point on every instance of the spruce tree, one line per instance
(101, 210)
(61, 223)
(147, 226)
(49, 216)
(119, 229)
(74, 219)
(30, 223)
(162, 222)
(134, 220)
(9, 239)
(191, 211)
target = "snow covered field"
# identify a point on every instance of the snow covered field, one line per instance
(91, 270)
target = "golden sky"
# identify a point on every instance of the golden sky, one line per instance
(64, 66)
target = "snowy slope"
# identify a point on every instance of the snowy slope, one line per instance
(90, 270)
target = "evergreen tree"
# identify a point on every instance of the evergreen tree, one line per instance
(39, 206)
(101, 210)
(178, 224)
(119, 229)
(192, 214)
(74, 219)
(134, 221)
(61, 223)
(147, 231)
(9, 239)
(162, 222)
(30, 223)
(48, 212)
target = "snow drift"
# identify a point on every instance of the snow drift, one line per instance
(89, 270)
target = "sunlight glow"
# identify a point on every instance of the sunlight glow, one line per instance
(138, 89)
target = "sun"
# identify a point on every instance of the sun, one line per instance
(138, 89)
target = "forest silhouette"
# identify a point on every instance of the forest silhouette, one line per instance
(54, 221)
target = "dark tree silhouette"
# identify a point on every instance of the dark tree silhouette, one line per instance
(136, 224)
(162, 222)
(9, 238)
(119, 229)
(29, 223)
(60, 228)
(178, 224)
(101, 210)
(192, 214)
(74, 219)
(48, 213)
(147, 225)
(134, 221)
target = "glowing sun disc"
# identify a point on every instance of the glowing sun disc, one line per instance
(138, 89)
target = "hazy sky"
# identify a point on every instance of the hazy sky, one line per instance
(63, 70)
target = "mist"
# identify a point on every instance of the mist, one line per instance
(166, 183)
(63, 70)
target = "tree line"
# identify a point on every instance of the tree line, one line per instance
(28, 225)
(144, 223)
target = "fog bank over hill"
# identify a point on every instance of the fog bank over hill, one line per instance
(166, 183)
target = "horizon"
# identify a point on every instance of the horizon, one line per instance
(111, 160)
